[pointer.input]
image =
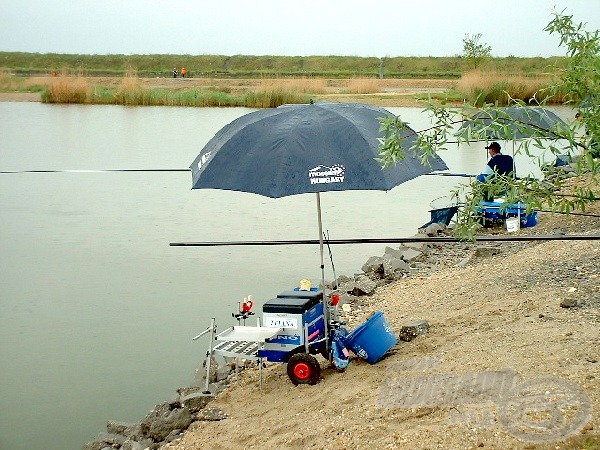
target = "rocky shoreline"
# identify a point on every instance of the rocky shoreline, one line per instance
(167, 421)
(553, 299)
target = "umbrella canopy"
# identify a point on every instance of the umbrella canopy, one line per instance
(521, 122)
(297, 149)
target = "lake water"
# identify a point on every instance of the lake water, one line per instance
(98, 311)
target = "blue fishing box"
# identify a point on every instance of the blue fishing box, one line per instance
(496, 211)
(300, 315)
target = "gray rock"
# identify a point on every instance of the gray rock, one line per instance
(163, 419)
(569, 303)
(463, 262)
(435, 229)
(421, 246)
(104, 440)
(363, 285)
(409, 254)
(394, 265)
(176, 419)
(412, 330)
(343, 278)
(94, 445)
(189, 389)
(393, 252)
(374, 265)
(194, 402)
(216, 388)
(123, 428)
(147, 443)
(130, 444)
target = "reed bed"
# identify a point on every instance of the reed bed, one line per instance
(67, 89)
(364, 86)
(294, 85)
(500, 88)
(477, 87)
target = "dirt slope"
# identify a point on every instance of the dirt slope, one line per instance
(504, 366)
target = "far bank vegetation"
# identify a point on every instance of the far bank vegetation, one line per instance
(262, 82)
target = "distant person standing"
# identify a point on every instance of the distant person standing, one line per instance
(174, 72)
(183, 72)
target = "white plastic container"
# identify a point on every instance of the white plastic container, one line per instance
(513, 224)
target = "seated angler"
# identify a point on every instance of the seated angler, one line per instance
(498, 164)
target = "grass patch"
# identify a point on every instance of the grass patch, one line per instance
(477, 86)
(364, 86)
(498, 88)
(67, 89)
(302, 85)
(11, 83)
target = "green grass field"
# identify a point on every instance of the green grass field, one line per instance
(241, 66)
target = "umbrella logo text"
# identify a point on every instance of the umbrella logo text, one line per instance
(327, 175)
(204, 159)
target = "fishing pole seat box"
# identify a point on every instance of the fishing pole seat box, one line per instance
(300, 315)
(497, 211)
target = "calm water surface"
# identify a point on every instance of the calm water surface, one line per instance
(97, 310)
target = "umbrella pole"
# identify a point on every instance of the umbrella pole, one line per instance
(325, 299)
(321, 240)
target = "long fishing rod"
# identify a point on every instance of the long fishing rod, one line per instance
(448, 174)
(539, 237)
(93, 170)
(523, 209)
(169, 170)
(466, 175)
(567, 213)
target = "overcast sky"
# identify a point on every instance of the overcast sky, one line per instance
(278, 27)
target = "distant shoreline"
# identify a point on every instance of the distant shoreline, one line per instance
(371, 99)
(20, 97)
(396, 92)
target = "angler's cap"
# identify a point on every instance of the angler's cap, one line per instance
(494, 145)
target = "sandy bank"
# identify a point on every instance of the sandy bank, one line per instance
(393, 92)
(19, 97)
(504, 366)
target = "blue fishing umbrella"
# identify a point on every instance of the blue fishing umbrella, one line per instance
(515, 123)
(296, 149)
(311, 148)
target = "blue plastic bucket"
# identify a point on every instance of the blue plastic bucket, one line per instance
(372, 340)
(529, 220)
